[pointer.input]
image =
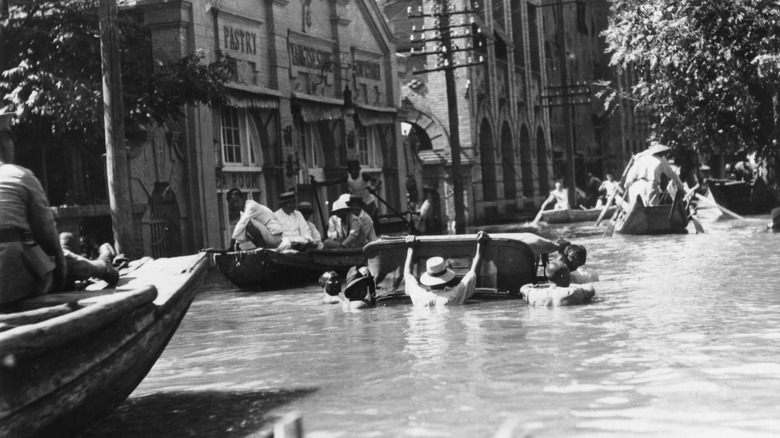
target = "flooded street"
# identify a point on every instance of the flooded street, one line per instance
(681, 340)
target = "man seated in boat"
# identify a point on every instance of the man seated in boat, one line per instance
(559, 195)
(438, 285)
(651, 175)
(307, 211)
(295, 230)
(31, 260)
(257, 227)
(81, 268)
(347, 232)
(360, 291)
(330, 282)
(559, 291)
(366, 223)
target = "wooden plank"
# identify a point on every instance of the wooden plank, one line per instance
(37, 315)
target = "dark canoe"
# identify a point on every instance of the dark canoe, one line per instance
(262, 268)
(661, 219)
(69, 359)
(508, 262)
(572, 216)
(742, 197)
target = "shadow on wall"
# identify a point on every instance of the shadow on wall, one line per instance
(196, 413)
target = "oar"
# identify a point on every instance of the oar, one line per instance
(606, 206)
(319, 206)
(539, 215)
(412, 228)
(723, 209)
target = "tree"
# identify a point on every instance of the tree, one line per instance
(53, 78)
(707, 71)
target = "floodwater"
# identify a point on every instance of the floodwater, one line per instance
(682, 339)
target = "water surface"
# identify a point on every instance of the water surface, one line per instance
(681, 340)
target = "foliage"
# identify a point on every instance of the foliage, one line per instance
(708, 71)
(53, 79)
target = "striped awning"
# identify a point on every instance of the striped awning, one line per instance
(249, 101)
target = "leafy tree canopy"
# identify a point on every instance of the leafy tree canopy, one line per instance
(708, 71)
(53, 76)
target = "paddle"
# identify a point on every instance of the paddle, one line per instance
(539, 215)
(723, 209)
(319, 205)
(606, 207)
(410, 224)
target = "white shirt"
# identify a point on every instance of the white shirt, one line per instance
(259, 214)
(294, 226)
(422, 297)
(367, 226)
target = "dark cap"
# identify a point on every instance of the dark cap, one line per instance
(360, 284)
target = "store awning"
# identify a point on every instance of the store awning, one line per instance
(247, 101)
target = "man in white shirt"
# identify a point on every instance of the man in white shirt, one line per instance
(366, 223)
(647, 177)
(295, 229)
(257, 227)
(436, 286)
(307, 211)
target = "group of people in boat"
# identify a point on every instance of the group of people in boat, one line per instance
(34, 258)
(438, 285)
(350, 224)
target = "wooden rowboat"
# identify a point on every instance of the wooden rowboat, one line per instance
(261, 268)
(508, 262)
(742, 197)
(68, 359)
(662, 219)
(573, 215)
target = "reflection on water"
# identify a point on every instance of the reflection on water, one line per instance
(681, 340)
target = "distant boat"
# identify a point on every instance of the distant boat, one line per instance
(574, 215)
(742, 197)
(508, 261)
(662, 219)
(68, 359)
(262, 268)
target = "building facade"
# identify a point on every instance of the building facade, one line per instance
(503, 127)
(313, 86)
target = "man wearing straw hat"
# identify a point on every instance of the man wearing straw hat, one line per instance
(31, 260)
(438, 285)
(648, 177)
(295, 228)
(347, 232)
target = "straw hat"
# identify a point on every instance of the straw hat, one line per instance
(305, 206)
(658, 148)
(339, 205)
(436, 272)
(286, 198)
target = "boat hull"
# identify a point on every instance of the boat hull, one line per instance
(82, 365)
(508, 263)
(262, 268)
(741, 197)
(573, 216)
(661, 219)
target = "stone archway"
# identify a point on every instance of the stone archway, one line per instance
(541, 158)
(487, 162)
(526, 163)
(508, 163)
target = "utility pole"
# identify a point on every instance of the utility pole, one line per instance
(116, 154)
(4, 14)
(445, 32)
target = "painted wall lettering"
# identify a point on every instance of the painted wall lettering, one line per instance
(303, 56)
(368, 70)
(243, 181)
(240, 40)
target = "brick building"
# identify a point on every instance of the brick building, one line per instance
(511, 130)
(504, 129)
(290, 115)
